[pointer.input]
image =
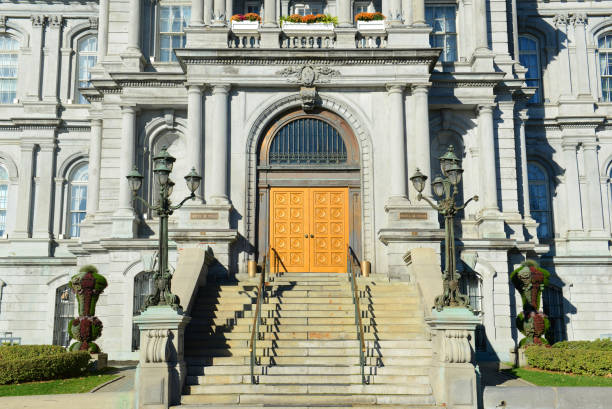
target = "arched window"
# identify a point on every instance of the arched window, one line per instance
(604, 49)
(4, 186)
(529, 57)
(86, 59)
(65, 309)
(539, 199)
(77, 200)
(307, 141)
(9, 48)
(143, 287)
(174, 16)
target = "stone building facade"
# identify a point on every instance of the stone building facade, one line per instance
(89, 89)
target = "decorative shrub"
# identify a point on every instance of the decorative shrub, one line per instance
(310, 19)
(246, 17)
(364, 16)
(28, 363)
(596, 345)
(575, 361)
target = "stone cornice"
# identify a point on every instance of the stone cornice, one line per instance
(307, 57)
(146, 80)
(467, 80)
(36, 123)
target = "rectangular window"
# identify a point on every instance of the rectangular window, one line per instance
(444, 33)
(172, 22)
(306, 9)
(529, 58)
(605, 67)
(253, 7)
(362, 7)
(78, 208)
(8, 69)
(3, 207)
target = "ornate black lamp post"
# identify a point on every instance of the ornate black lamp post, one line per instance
(445, 189)
(163, 163)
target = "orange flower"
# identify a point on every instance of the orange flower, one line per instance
(369, 16)
(252, 17)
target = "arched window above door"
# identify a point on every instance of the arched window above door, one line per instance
(309, 140)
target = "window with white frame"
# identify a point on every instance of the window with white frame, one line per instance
(363, 7)
(143, 287)
(444, 34)
(65, 306)
(4, 187)
(529, 58)
(471, 285)
(9, 53)
(604, 50)
(173, 18)
(77, 201)
(87, 56)
(539, 199)
(303, 9)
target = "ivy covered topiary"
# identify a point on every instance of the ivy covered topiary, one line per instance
(87, 285)
(530, 280)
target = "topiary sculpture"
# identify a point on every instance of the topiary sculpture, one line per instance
(87, 285)
(529, 280)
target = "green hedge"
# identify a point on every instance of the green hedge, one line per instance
(576, 361)
(27, 363)
(596, 345)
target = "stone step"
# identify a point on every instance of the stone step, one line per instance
(306, 360)
(347, 320)
(395, 336)
(316, 343)
(305, 306)
(232, 406)
(398, 370)
(307, 379)
(308, 351)
(387, 315)
(247, 326)
(279, 389)
(308, 399)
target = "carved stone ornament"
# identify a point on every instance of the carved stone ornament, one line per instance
(308, 75)
(3, 23)
(157, 345)
(38, 20)
(456, 346)
(309, 98)
(55, 21)
(578, 18)
(93, 23)
(560, 19)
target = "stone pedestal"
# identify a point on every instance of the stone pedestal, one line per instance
(161, 371)
(452, 374)
(270, 37)
(101, 360)
(345, 37)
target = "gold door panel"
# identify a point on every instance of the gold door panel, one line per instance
(309, 228)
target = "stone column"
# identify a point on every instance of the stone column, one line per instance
(218, 17)
(229, 9)
(344, 13)
(194, 129)
(217, 180)
(124, 225)
(197, 13)
(397, 143)
(24, 199)
(102, 30)
(593, 186)
(481, 40)
(208, 12)
(394, 12)
(582, 57)
(270, 13)
(572, 187)
(418, 12)
(421, 133)
(45, 162)
(36, 42)
(561, 22)
(133, 37)
(525, 176)
(52, 67)
(488, 171)
(95, 154)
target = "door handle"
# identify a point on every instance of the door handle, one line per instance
(312, 236)
(305, 236)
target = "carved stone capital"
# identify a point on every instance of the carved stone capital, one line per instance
(561, 19)
(578, 19)
(93, 22)
(38, 20)
(55, 21)
(395, 88)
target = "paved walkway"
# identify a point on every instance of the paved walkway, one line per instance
(492, 376)
(124, 384)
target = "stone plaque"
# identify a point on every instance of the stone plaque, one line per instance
(204, 216)
(413, 216)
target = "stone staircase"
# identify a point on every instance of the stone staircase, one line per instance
(308, 349)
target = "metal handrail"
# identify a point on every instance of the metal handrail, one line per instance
(351, 258)
(257, 316)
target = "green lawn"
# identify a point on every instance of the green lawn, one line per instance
(541, 378)
(71, 385)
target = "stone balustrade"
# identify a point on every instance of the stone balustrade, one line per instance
(243, 39)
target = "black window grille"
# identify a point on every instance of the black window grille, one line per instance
(65, 311)
(552, 304)
(307, 141)
(143, 287)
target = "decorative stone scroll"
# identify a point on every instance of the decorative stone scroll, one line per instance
(457, 346)
(157, 346)
(308, 75)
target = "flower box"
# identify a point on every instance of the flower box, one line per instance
(307, 27)
(245, 25)
(373, 25)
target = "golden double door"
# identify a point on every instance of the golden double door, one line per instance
(309, 228)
